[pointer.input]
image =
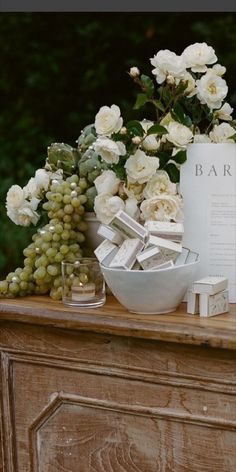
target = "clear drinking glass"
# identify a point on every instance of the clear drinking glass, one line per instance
(83, 283)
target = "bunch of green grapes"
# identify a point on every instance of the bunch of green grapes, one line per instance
(58, 240)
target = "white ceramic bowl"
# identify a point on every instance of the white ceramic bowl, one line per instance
(150, 291)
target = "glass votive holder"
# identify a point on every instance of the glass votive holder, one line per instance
(83, 283)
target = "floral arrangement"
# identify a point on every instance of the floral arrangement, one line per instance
(132, 166)
(143, 157)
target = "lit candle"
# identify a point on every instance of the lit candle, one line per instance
(82, 293)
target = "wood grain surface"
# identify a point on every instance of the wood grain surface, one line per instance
(112, 318)
(104, 390)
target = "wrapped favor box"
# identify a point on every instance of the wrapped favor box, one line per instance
(105, 252)
(166, 230)
(192, 303)
(169, 249)
(126, 255)
(128, 227)
(211, 305)
(109, 233)
(150, 258)
(210, 285)
(182, 257)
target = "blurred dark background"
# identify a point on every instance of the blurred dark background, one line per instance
(57, 69)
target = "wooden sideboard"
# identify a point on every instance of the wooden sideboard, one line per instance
(103, 390)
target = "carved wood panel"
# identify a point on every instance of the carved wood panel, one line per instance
(106, 423)
(79, 434)
(162, 360)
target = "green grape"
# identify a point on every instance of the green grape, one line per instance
(40, 273)
(56, 237)
(58, 257)
(14, 287)
(53, 269)
(54, 221)
(57, 282)
(64, 249)
(82, 199)
(51, 252)
(80, 237)
(3, 286)
(70, 257)
(75, 202)
(29, 262)
(67, 199)
(68, 209)
(47, 236)
(59, 214)
(65, 235)
(45, 246)
(58, 240)
(23, 285)
(42, 261)
(76, 218)
(59, 228)
(55, 294)
(67, 218)
(15, 279)
(83, 183)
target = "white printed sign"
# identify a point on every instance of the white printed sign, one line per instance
(208, 186)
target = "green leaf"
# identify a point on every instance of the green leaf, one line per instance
(148, 85)
(180, 157)
(140, 101)
(135, 128)
(181, 88)
(157, 129)
(233, 137)
(173, 172)
(119, 170)
(158, 105)
(167, 96)
(178, 114)
(164, 157)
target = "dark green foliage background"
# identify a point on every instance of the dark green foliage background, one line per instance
(57, 69)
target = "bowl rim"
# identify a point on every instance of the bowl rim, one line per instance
(137, 271)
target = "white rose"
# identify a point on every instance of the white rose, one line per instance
(224, 113)
(167, 63)
(32, 189)
(159, 184)
(42, 179)
(198, 55)
(134, 72)
(23, 216)
(134, 190)
(201, 138)
(109, 150)
(150, 143)
(166, 120)
(178, 134)
(219, 70)
(107, 182)
(106, 206)
(211, 90)
(108, 120)
(140, 167)
(27, 215)
(162, 208)
(131, 208)
(222, 133)
(57, 175)
(15, 197)
(191, 90)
